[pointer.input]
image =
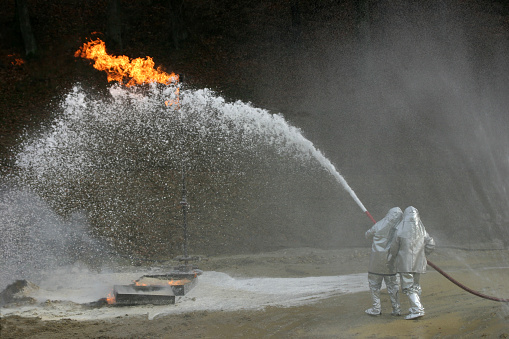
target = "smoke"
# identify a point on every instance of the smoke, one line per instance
(35, 241)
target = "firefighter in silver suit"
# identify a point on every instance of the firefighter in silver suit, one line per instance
(409, 250)
(382, 234)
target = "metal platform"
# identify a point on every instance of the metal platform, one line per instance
(129, 295)
(158, 289)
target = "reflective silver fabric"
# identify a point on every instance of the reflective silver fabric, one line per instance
(412, 244)
(410, 283)
(411, 287)
(416, 310)
(375, 284)
(382, 234)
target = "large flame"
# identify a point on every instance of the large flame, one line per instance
(122, 68)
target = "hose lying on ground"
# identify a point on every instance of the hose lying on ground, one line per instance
(451, 279)
(457, 283)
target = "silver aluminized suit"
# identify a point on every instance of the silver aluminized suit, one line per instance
(382, 234)
(409, 249)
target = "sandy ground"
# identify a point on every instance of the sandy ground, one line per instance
(450, 311)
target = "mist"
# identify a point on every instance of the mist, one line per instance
(36, 241)
(409, 104)
(413, 111)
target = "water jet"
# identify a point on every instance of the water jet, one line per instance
(89, 159)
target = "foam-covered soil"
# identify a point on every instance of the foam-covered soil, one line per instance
(289, 293)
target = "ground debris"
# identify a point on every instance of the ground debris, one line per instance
(17, 293)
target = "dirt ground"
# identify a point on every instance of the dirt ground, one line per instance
(450, 311)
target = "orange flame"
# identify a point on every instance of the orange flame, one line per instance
(176, 101)
(110, 299)
(179, 282)
(169, 282)
(138, 71)
(17, 61)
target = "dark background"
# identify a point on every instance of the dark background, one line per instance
(407, 98)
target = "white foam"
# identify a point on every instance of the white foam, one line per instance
(62, 295)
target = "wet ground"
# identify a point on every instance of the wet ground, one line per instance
(322, 312)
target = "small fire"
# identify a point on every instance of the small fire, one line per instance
(119, 68)
(179, 282)
(17, 61)
(175, 101)
(169, 282)
(110, 299)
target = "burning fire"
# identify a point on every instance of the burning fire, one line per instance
(170, 282)
(176, 101)
(110, 299)
(17, 61)
(135, 71)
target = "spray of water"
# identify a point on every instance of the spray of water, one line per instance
(75, 143)
(81, 141)
(116, 160)
(35, 240)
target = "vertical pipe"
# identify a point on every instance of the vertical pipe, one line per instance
(184, 209)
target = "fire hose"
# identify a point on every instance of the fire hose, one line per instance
(451, 279)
